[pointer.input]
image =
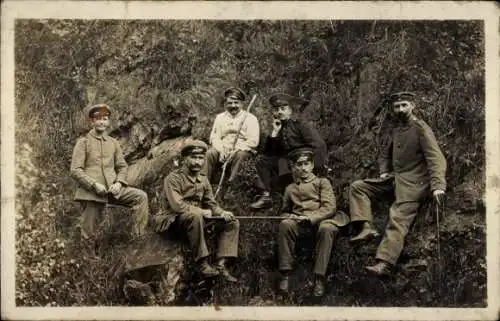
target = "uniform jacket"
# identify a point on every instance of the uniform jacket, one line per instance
(416, 160)
(225, 130)
(296, 133)
(185, 194)
(314, 198)
(97, 159)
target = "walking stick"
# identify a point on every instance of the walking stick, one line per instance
(226, 162)
(438, 244)
(271, 218)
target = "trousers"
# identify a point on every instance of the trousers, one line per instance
(401, 215)
(131, 197)
(212, 161)
(193, 226)
(289, 231)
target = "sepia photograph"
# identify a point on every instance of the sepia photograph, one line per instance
(228, 161)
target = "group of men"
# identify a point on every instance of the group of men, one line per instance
(293, 154)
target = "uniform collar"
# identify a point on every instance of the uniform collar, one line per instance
(104, 137)
(308, 180)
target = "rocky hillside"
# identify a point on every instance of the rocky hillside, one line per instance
(164, 80)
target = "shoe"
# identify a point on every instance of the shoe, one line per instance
(264, 201)
(283, 286)
(380, 269)
(319, 288)
(207, 271)
(368, 233)
(225, 273)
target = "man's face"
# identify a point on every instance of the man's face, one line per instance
(303, 167)
(233, 106)
(402, 109)
(100, 123)
(283, 112)
(194, 162)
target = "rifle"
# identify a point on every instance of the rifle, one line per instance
(226, 162)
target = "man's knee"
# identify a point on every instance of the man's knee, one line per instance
(241, 155)
(212, 154)
(327, 228)
(193, 217)
(287, 225)
(357, 186)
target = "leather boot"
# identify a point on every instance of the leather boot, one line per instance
(264, 201)
(382, 268)
(206, 270)
(284, 283)
(367, 233)
(319, 287)
(221, 267)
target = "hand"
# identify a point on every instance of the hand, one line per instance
(115, 188)
(385, 176)
(228, 216)
(438, 195)
(276, 127)
(206, 213)
(304, 219)
(225, 154)
(100, 189)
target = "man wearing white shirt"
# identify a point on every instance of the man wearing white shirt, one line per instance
(232, 125)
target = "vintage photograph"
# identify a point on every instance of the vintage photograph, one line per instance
(257, 163)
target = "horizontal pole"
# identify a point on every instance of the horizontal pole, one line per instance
(255, 217)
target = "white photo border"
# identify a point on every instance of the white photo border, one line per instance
(304, 10)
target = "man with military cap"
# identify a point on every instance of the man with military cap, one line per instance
(191, 204)
(288, 133)
(309, 206)
(100, 170)
(233, 125)
(411, 166)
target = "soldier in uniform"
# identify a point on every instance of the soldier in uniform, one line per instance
(228, 126)
(100, 170)
(288, 133)
(191, 204)
(410, 167)
(310, 207)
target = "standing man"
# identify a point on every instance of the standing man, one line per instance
(288, 133)
(100, 170)
(309, 203)
(230, 125)
(191, 205)
(410, 167)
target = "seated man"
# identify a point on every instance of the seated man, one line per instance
(310, 207)
(417, 164)
(100, 170)
(191, 204)
(233, 125)
(287, 134)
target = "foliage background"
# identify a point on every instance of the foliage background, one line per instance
(160, 75)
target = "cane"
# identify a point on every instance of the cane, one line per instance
(438, 202)
(226, 162)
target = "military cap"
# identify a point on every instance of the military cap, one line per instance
(192, 147)
(303, 151)
(235, 93)
(400, 96)
(99, 110)
(281, 99)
